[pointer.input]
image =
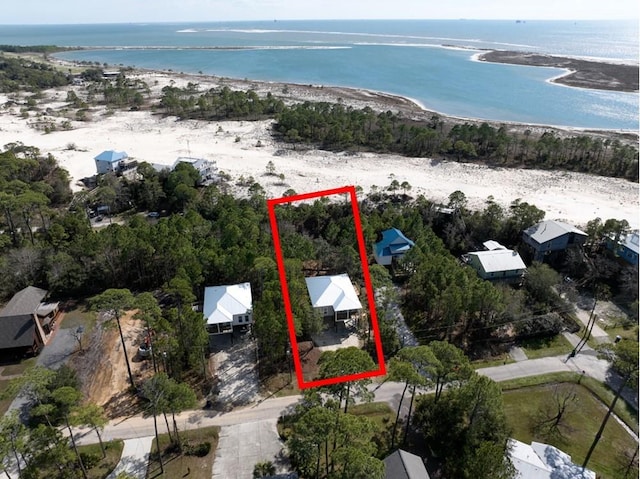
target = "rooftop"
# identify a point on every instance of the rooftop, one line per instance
(551, 229)
(542, 461)
(404, 465)
(499, 260)
(23, 302)
(336, 291)
(111, 156)
(393, 242)
(221, 303)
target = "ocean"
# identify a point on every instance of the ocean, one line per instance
(429, 61)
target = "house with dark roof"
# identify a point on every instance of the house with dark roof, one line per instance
(227, 306)
(548, 237)
(404, 465)
(393, 245)
(111, 161)
(25, 322)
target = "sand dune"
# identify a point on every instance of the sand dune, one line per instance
(575, 197)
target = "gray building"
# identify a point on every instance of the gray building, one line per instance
(548, 237)
(404, 465)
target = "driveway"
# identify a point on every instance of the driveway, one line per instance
(242, 446)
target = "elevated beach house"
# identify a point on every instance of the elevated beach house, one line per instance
(26, 322)
(626, 247)
(551, 236)
(497, 263)
(207, 169)
(333, 296)
(393, 245)
(404, 465)
(227, 306)
(111, 162)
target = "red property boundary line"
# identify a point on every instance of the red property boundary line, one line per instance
(271, 204)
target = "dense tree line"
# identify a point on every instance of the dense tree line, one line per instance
(32, 48)
(336, 127)
(218, 104)
(18, 74)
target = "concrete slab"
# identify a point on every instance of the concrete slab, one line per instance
(135, 458)
(518, 354)
(242, 446)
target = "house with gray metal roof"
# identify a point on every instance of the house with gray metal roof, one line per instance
(542, 461)
(552, 236)
(21, 327)
(627, 247)
(404, 465)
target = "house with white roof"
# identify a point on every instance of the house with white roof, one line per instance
(333, 296)
(227, 306)
(627, 247)
(542, 461)
(497, 264)
(550, 236)
(111, 161)
(393, 245)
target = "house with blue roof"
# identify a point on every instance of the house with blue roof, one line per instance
(111, 161)
(393, 245)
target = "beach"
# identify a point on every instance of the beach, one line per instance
(242, 149)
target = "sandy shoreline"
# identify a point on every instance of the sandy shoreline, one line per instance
(144, 136)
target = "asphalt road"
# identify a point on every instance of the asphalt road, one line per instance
(390, 392)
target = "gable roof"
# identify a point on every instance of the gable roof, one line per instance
(25, 301)
(404, 465)
(630, 241)
(499, 260)
(221, 303)
(492, 245)
(542, 461)
(551, 229)
(17, 327)
(111, 156)
(336, 291)
(393, 242)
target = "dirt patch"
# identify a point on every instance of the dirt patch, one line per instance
(309, 356)
(102, 368)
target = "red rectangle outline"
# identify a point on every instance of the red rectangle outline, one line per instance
(271, 203)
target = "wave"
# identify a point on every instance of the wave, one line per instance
(187, 30)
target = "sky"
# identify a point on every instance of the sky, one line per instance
(123, 11)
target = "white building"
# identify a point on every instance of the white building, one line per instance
(227, 306)
(333, 296)
(497, 264)
(206, 168)
(542, 461)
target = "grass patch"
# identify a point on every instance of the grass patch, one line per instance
(544, 347)
(18, 368)
(98, 467)
(177, 465)
(523, 407)
(4, 402)
(278, 385)
(625, 412)
(623, 332)
(500, 360)
(77, 314)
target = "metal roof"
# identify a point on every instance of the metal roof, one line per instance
(542, 461)
(499, 260)
(393, 242)
(551, 229)
(17, 326)
(336, 291)
(111, 156)
(221, 303)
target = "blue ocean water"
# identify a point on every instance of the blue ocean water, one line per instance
(429, 61)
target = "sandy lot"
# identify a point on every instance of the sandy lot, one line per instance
(145, 136)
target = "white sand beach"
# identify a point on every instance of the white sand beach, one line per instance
(149, 137)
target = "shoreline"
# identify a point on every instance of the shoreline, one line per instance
(243, 149)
